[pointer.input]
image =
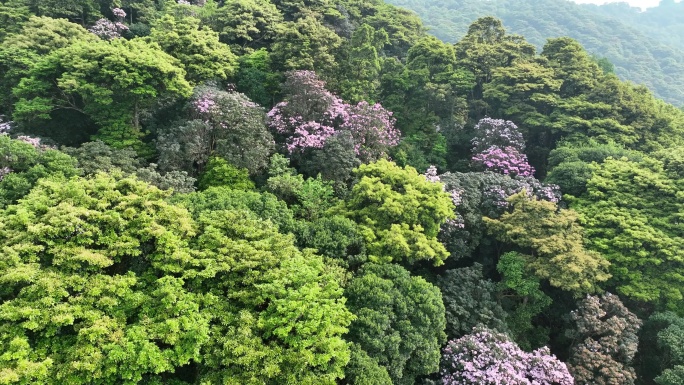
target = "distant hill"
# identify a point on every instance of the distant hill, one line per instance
(645, 47)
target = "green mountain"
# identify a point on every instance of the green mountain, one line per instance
(645, 47)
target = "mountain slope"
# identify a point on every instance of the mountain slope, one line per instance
(638, 56)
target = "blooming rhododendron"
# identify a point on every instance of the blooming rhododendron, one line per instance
(311, 114)
(497, 132)
(485, 357)
(507, 161)
(109, 30)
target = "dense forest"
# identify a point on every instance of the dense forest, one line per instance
(644, 47)
(321, 192)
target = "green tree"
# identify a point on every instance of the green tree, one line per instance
(197, 49)
(470, 300)
(112, 83)
(219, 172)
(523, 299)
(278, 313)
(486, 47)
(247, 25)
(216, 123)
(363, 64)
(306, 44)
(400, 321)
(631, 216)
(95, 157)
(38, 37)
(399, 213)
(22, 164)
(553, 240)
(92, 296)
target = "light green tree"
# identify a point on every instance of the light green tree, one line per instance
(399, 213)
(553, 240)
(197, 48)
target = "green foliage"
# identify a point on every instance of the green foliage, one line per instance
(264, 205)
(553, 239)
(216, 123)
(364, 370)
(13, 13)
(39, 36)
(309, 198)
(400, 322)
(95, 157)
(111, 83)
(219, 172)
(470, 300)
(363, 64)
(524, 300)
(246, 25)
(570, 164)
(256, 79)
(640, 45)
(661, 353)
(105, 281)
(306, 44)
(334, 237)
(630, 213)
(197, 49)
(22, 165)
(278, 313)
(89, 296)
(399, 213)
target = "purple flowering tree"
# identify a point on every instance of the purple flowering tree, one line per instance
(310, 115)
(497, 132)
(218, 123)
(498, 146)
(485, 357)
(507, 161)
(107, 29)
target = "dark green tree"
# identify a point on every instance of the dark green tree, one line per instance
(400, 321)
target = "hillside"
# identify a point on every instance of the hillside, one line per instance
(319, 192)
(646, 48)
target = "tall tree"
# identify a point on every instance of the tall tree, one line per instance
(553, 239)
(111, 83)
(400, 321)
(399, 213)
(605, 341)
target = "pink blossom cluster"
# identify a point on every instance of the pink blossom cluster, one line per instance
(507, 161)
(119, 13)
(107, 29)
(204, 103)
(497, 132)
(494, 197)
(4, 171)
(311, 114)
(485, 357)
(35, 142)
(5, 126)
(456, 198)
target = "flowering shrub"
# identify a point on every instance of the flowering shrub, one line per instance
(497, 132)
(507, 161)
(310, 115)
(485, 357)
(219, 123)
(107, 29)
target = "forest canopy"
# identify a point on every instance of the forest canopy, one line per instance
(322, 192)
